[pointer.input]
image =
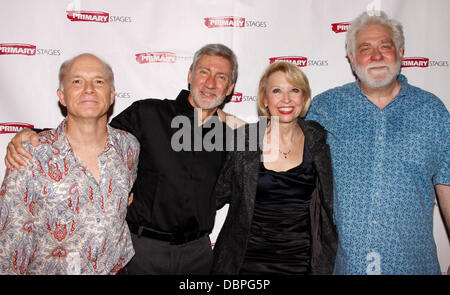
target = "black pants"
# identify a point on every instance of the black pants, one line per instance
(159, 257)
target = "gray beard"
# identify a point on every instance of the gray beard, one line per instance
(364, 76)
(213, 104)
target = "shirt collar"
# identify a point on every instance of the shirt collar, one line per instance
(182, 104)
(405, 85)
(400, 78)
(61, 143)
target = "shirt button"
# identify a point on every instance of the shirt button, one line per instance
(374, 222)
(377, 194)
(380, 137)
(98, 220)
(378, 165)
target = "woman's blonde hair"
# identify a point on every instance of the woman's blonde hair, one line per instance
(294, 75)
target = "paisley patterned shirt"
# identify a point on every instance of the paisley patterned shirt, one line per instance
(55, 218)
(385, 163)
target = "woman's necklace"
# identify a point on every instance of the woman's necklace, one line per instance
(285, 154)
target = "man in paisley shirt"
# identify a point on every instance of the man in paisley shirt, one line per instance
(65, 212)
(389, 144)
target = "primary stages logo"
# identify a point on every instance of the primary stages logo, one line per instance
(239, 97)
(422, 62)
(122, 94)
(16, 48)
(95, 16)
(340, 27)
(225, 22)
(156, 57)
(418, 62)
(13, 127)
(232, 22)
(75, 13)
(299, 61)
(26, 49)
(88, 16)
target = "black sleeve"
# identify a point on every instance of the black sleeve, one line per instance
(223, 189)
(39, 130)
(127, 120)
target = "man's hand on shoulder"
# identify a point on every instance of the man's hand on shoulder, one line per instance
(16, 155)
(232, 121)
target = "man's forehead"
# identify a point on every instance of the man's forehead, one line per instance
(374, 31)
(85, 64)
(213, 61)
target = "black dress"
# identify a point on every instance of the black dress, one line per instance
(280, 236)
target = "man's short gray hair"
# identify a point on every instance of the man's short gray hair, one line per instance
(218, 50)
(65, 65)
(379, 18)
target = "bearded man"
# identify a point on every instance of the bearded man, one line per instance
(389, 144)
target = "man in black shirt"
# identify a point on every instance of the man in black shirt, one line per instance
(173, 207)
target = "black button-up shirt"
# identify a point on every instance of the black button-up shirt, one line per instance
(173, 192)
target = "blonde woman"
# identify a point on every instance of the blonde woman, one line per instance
(280, 215)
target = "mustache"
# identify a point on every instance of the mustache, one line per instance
(377, 64)
(208, 92)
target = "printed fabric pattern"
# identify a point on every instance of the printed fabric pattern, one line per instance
(54, 216)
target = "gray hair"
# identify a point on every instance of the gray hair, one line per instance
(380, 18)
(65, 65)
(218, 50)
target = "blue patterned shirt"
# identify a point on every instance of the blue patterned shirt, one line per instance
(385, 163)
(55, 218)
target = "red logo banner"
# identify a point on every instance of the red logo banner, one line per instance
(152, 57)
(15, 48)
(88, 16)
(298, 60)
(13, 127)
(237, 97)
(418, 62)
(225, 21)
(340, 27)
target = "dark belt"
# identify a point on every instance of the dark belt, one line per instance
(173, 239)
